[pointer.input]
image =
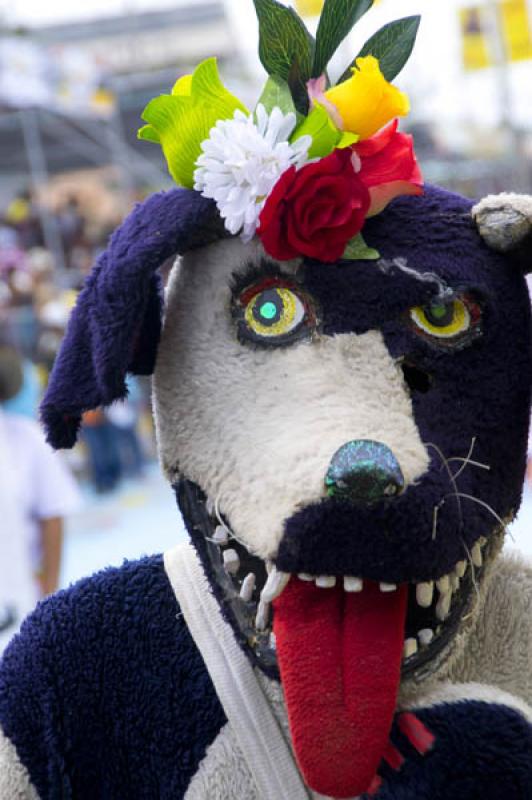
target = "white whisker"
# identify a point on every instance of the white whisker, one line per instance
(473, 569)
(467, 461)
(451, 478)
(467, 458)
(225, 527)
(488, 508)
(435, 512)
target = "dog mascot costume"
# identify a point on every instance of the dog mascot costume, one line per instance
(341, 390)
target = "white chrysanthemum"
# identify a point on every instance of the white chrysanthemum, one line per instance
(241, 162)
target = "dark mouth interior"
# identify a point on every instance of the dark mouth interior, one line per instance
(228, 564)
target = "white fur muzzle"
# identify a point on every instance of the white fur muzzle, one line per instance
(256, 428)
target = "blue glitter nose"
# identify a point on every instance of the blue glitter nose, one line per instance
(364, 471)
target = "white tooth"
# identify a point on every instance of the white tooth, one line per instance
(424, 594)
(304, 576)
(275, 584)
(443, 606)
(425, 636)
(231, 561)
(326, 581)
(460, 569)
(220, 535)
(273, 641)
(455, 583)
(410, 648)
(388, 587)
(209, 507)
(263, 616)
(476, 555)
(353, 584)
(444, 584)
(248, 585)
(483, 541)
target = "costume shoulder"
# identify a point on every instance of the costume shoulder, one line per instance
(104, 694)
(503, 631)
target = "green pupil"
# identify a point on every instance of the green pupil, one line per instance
(439, 312)
(268, 310)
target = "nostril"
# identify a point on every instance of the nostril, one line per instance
(364, 471)
(416, 378)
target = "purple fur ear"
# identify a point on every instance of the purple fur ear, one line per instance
(115, 326)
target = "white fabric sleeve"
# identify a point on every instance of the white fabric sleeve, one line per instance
(54, 492)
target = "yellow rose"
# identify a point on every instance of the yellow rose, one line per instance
(367, 102)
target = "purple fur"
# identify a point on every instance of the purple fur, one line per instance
(480, 392)
(115, 326)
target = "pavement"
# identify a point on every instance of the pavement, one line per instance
(141, 518)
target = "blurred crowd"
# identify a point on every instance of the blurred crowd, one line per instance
(35, 302)
(38, 488)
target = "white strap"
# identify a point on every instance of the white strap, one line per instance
(259, 737)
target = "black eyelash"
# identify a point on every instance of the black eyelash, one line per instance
(253, 273)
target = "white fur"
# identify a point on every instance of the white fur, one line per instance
(223, 773)
(257, 428)
(15, 782)
(499, 649)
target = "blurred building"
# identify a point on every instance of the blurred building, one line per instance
(77, 89)
(71, 93)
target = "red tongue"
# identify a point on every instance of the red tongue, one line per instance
(340, 660)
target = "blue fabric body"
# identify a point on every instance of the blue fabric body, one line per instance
(483, 751)
(104, 693)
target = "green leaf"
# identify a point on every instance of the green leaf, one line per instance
(346, 140)
(285, 48)
(391, 45)
(336, 21)
(323, 131)
(180, 122)
(358, 250)
(148, 134)
(325, 135)
(277, 93)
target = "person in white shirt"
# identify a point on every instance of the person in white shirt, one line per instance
(36, 492)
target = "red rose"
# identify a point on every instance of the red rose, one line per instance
(314, 211)
(388, 167)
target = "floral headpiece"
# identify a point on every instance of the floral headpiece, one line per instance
(306, 168)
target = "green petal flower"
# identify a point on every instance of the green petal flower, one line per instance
(325, 135)
(180, 122)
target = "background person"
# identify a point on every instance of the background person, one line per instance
(36, 492)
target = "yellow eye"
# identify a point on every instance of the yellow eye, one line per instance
(274, 312)
(446, 320)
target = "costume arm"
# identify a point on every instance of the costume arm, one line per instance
(30, 760)
(459, 742)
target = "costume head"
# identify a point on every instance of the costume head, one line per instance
(341, 393)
